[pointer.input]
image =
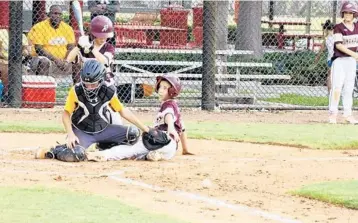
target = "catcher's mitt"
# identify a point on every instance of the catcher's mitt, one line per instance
(155, 139)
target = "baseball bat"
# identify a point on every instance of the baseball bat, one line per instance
(76, 8)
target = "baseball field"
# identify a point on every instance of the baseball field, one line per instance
(249, 166)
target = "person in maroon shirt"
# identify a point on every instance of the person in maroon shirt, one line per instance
(168, 120)
(344, 64)
(94, 46)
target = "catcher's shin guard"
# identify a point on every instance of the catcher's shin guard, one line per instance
(61, 152)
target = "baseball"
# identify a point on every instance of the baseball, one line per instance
(206, 183)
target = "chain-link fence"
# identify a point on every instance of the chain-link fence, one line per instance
(231, 54)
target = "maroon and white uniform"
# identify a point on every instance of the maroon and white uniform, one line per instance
(107, 49)
(138, 150)
(343, 69)
(169, 107)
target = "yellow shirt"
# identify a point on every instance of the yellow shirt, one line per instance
(72, 102)
(4, 45)
(53, 40)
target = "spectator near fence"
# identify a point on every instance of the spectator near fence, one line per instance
(107, 8)
(52, 39)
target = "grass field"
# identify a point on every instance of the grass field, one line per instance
(295, 99)
(314, 136)
(61, 206)
(344, 193)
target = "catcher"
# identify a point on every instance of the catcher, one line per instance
(87, 119)
(161, 142)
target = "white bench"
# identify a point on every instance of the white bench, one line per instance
(137, 78)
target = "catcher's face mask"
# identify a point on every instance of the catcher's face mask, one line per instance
(91, 90)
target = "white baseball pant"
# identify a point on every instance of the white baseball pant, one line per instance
(343, 74)
(138, 151)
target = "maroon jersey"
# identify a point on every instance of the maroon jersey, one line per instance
(349, 38)
(169, 107)
(106, 48)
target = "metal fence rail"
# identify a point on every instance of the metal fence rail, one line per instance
(230, 54)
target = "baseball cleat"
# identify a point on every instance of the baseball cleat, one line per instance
(43, 153)
(154, 156)
(332, 119)
(351, 120)
(96, 156)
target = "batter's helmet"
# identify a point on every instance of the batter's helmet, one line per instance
(349, 7)
(175, 88)
(102, 27)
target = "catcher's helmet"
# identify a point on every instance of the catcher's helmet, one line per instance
(175, 88)
(102, 27)
(91, 73)
(349, 7)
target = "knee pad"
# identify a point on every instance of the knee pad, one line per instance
(132, 135)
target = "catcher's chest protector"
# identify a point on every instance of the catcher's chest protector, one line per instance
(92, 118)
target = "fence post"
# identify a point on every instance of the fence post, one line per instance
(209, 45)
(334, 14)
(15, 52)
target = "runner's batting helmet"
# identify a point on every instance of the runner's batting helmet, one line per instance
(175, 88)
(349, 7)
(102, 27)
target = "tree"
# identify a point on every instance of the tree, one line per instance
(248, 32)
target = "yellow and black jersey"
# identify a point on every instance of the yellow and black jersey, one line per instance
(92, 117)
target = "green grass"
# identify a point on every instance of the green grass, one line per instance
(31, 127)
(317, 136)
(314, 136)
(22, 205)
(295, 99)
(343, 193)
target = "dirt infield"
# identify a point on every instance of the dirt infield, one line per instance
(224, 182)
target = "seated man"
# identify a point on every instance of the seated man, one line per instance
(4, 56)
(52, 40)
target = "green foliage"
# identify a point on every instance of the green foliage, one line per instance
(66, 18)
